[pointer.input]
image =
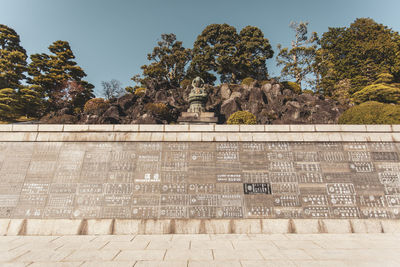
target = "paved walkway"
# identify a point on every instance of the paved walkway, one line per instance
(202, 250)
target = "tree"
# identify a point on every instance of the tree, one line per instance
(58, 77)
(371, 112)
(12, 59)
(299, 61)
(169, 60)
(12, 71)
(220, 49)
(358, 53)
(112, 89)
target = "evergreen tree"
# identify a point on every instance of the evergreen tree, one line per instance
(53, 74)
(12, 71)
(169, 60)
(220, 49)
(358, 53)
(299, 61)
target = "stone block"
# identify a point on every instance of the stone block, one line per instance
(301, 128)
(176, 128)
(245, 137)
(327, 128)
(218, 226)
(6, 127)
(207, 137)
(151, 127)
(275, 226)
(337, 226)
(101, 127)
(266, 137)
(201, 128)
(233, 137)
(361, 226)
(334, 137)
(4, 223)
(157, 136)
(51, 127)
(307, 226)
(52, 227)
(226, 128)
(25, 127)
(190, 226)
(293, 137)
(221, 137)
(126, 127)
(152, 227)
(277, 128)
(348, 136)
(391, 226)
(18, 136)
(247, 226)
(140, 136)
(170, 137)
(76, 127)
(100, 227)
(15, 227)
(396, 127)
(128, 227)
(379, 128)
(353, 128)
(251, 128)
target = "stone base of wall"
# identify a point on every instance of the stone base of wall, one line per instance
(52, 227)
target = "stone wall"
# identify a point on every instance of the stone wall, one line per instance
(199, 178)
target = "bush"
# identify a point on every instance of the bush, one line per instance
(307, 91)
(295, 87)
(381, 92)
(158, 109)
(248, 81)
(140, 91)
(96, 106)
(242, 117)
(185, 83)
(371, 112)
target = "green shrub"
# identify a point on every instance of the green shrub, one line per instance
(381, 92)
(371, 112)
(242, 117)
(248, 81)
(96, 106)
(307, 91)
(140, 91)
(158, 109)
(295, 87)
(185, 83)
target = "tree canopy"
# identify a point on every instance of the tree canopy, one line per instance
(358, 53)
(220, 49)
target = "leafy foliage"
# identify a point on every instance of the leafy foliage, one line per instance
(169, 60)
(96, 106)
(7, 103)
(140, 91)
(381, 92)
(55, 74)
(371, 113)
(220, 49)
(295, 87)
(242, 117)
(358, 53)
(159, 110)
(299, 61)
(248, 81)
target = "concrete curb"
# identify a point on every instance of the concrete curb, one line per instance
(31, 227)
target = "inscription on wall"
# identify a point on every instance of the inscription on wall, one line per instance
(144, 180)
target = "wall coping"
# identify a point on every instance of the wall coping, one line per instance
(198, 133)
(195, 128)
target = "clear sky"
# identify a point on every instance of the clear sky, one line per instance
(110, 38)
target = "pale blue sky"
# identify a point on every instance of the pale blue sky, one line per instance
(110, 38)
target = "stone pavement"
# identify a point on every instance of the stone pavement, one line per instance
(202, 250)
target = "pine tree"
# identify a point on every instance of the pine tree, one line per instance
(299, 60)
(53, 74)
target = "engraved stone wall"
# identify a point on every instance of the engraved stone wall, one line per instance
(141, 180)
